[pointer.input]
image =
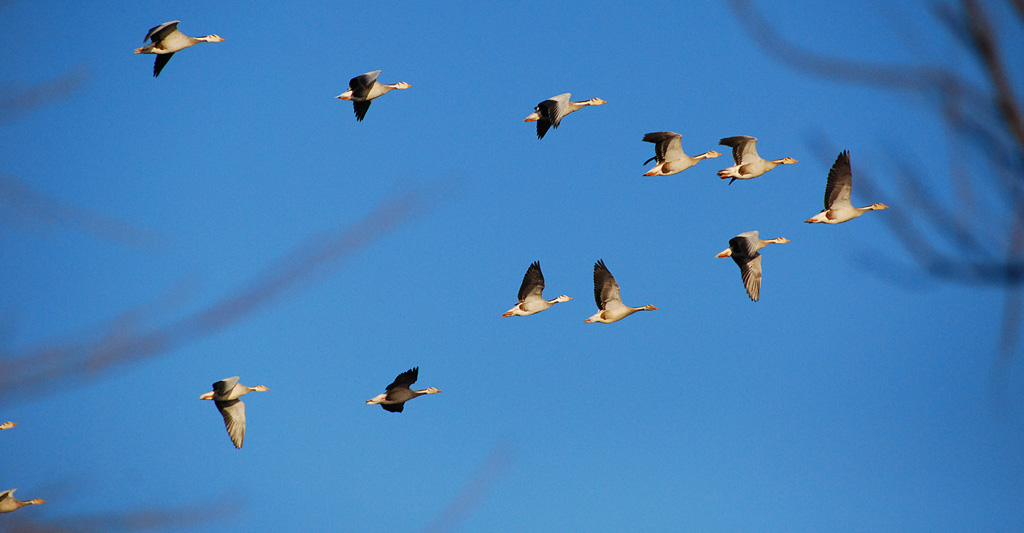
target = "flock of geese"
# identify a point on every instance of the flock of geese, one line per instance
(669, 157)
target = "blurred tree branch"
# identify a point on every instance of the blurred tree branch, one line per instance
(969, 245)
(17, 101)
(185, 517)
(33, 205)
(131, 337)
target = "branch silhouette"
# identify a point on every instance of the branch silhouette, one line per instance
(132, 337)
(981, 242)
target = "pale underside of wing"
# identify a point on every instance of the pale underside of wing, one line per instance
(159, 33)
(233, 412)
(751, 272)
(668, 145)
(744, 148)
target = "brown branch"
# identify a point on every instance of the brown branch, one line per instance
(36, 205)
(985, 46)
(192, 517)
(17, 102)
(130, 339)
(473, 492)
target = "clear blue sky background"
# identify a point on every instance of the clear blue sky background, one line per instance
(846, 399)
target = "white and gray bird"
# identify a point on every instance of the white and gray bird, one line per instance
(363, 89)
(226, 394)
(606, 293)
(399, 392)
(167, 40)
(838, 208)
(550, 112)
(531, 297)
(743, 249)
(748, 163)
(669, 154)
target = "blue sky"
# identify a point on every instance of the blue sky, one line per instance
(846, 399)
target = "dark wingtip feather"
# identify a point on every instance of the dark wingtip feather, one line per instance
(393, 407)
(360, 109)
(160, 63)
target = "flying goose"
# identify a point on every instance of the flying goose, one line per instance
(398, 392)
(226, 394)
(550, 112)
(531, 299)
(743, 249)
(837, 195)
(609, 303)
(363, 89)
(748, 163)
(9, 503)
(167, 40)
(7, 425)
(668, 152)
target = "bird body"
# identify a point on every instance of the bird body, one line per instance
(743, 249)
(226, 394)
(609, 303)
(9, 503)
(362, 89)
(531, 297)
(166, 40)
(669, 154)
(748, 163)
(399, 392)
(7, 425)
(550, 112)
(838, 208)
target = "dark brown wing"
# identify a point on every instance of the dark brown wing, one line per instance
(360, 85)
(161, 60)
(405, 379)
(393, 407)
(606, 289)
(533, 282)
(840, 182)
(361, 108)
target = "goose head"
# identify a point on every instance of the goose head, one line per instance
(211, 39)
(877, 207)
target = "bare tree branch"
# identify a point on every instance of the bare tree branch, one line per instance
(186, 517)
(130, 339)
(34, 205)
(473, 492)
(972, 243)
(19, 102)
